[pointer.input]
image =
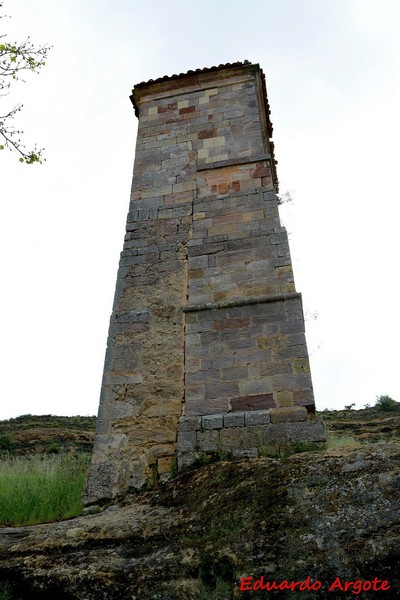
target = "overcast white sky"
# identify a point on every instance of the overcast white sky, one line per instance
(333, 79)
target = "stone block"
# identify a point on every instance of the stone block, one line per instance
(234, 374)
(140, 473)
(186, 459)
(245, 453)
(303, 397)
(187, 441)
(277, 434)
(207, 440)
(257, 417)
(301, 365)
(209, 407)
(100, 482)
(165, 465)
(256, 386)
(284, 398)
(252, 436)
(234, 419)
(189, 423)
(185, 186)
(196, 392)
(229, 438)
(211, 376)
(212, 421)
(288, 414)
(218, 390)
(307, 431)
(214, 142)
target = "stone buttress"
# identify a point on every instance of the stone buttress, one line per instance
(206, 351)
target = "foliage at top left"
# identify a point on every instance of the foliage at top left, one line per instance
(16, 59)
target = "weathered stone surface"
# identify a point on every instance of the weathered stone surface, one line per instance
(304, 431)
(207, 440)
(334, 514)
(187, 441)
(234, 419)
(189, 423)
(288, 415)
(212, 421)
(257, 417)
(206, 319)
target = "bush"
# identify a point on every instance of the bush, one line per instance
(385, 403)
(54, 448)
(41, 488)
(6, 443)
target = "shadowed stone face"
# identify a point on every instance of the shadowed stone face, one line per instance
(206, 319)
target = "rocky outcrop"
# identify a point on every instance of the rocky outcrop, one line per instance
(313, 517)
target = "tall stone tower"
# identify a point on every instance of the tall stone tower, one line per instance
(206, 350)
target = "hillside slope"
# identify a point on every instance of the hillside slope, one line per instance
(319, 515)
(37, 434)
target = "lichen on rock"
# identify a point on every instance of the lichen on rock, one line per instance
(323, 515)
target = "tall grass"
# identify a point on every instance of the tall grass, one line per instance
(41, 488)
(341, 441)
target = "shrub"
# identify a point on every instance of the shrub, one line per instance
(6, 443)
(385, 403)
(54, 448)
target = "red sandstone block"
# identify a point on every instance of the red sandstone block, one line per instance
(256, 402)
(187, 109)
(235, 186)
(207, 133)
(267, 183)
(262, 170)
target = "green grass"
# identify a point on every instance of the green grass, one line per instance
(41, 488)
(341, 441)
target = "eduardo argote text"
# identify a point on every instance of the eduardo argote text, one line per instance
(250, 584)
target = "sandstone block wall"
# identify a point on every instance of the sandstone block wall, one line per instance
(244, 434)
(206, 318)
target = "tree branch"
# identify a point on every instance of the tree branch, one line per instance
(15, 59)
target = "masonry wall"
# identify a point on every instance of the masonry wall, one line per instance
(206, 319)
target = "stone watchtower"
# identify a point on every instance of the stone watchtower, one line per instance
(206, 350)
